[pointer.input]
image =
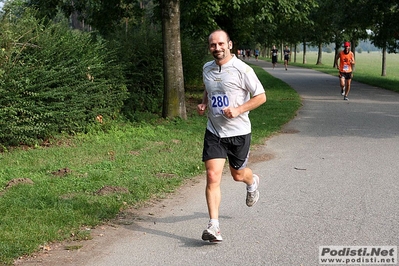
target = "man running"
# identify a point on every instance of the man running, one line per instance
(346, 61)
(229, 85)
(287, 54)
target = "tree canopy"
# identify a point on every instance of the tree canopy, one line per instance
(246, 20)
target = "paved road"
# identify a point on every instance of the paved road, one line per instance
(332, 180)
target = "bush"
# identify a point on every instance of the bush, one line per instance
(139, 53)
(54, 80)
(328, 50)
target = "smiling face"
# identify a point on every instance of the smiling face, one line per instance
(219, 46)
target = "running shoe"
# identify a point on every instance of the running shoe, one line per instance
(212, 234)
(253, 197)
(343, 91)
(346, 98)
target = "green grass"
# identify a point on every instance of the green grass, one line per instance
(133, 162)
(368, 68)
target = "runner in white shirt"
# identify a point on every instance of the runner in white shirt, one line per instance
(229, 85)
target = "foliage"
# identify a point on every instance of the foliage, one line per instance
(193, 60)
(104, 16)
(247, 21)
(53, 80)
(139, 53)
(385, 27)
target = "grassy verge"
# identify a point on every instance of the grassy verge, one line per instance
(368, 68)
(58, 191)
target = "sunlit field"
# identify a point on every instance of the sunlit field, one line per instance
(368, 67)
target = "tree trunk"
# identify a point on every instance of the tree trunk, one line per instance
(353, 49)
(174, 101)
(319, 55)
(336, 49)
(304, 53)
(384, 62)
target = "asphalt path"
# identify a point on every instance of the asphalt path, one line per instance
(329, 178)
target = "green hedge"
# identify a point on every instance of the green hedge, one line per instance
(54, 80)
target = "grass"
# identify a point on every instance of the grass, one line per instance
(368, 68)
(74, 184)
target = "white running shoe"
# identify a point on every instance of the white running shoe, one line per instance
(253, 197)
(212, 233)
(343, 91)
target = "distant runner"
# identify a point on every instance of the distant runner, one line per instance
(346, 61)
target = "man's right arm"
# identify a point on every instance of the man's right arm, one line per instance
(336, 61)
(202, 106)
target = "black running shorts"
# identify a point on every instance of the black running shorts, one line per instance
(236, 149)
(345, 75)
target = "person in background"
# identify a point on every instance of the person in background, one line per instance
(256, 54)
(274, 53)
(232, 89)
(346, 61)
(287, 54)
(248, 53)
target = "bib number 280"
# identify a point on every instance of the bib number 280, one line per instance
(219, 102)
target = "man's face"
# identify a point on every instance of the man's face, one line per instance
(219, 46)
(347, 48)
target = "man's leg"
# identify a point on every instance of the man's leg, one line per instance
(342, 84)
(252, 181)
(348, 86)
(242, 175)
(214, 169)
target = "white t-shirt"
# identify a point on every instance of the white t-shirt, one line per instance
(231, 84)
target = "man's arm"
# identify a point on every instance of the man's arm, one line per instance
(336, 61)
(352, 59)
(202, 106)
(253, 103)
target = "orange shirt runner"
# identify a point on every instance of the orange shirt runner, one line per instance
(346, 61)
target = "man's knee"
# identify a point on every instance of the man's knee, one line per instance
(238, 175)
(213, 177)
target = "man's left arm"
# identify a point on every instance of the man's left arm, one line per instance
(253, 103)
(352, 59)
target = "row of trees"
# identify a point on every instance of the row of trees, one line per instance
(249, 22)
(166, 37)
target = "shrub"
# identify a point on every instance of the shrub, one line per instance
(328, 50)
(140, 53)
(54, 80)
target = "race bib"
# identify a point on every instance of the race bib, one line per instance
(219, 101)
(346, 68)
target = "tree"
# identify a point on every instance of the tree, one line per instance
(385, 28)
(174, 102)
(322, 29)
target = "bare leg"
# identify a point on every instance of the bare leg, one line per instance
(242, 175)
(214, 169)
(347, 87)
(342, 82)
